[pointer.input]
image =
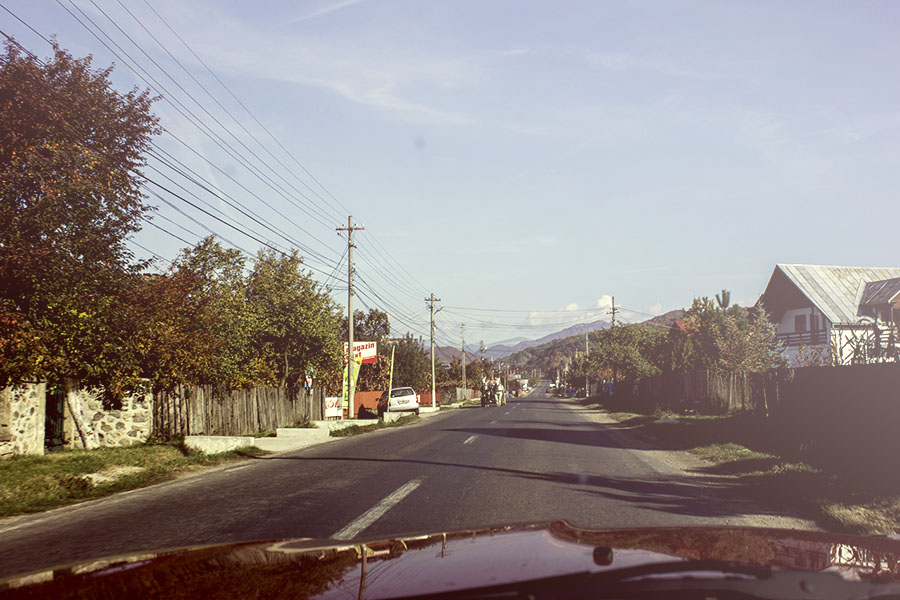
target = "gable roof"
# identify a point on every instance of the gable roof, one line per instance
(836, 291)
(880, 292)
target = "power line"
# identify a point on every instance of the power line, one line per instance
(216, 100)
(248, 111)
(198, 103)
(178, 105)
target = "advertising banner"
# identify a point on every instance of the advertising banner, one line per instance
(345, 397)
(366, 351)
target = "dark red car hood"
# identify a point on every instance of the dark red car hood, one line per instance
(444, 562)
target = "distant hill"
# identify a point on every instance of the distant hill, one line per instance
(543, 354)
(446, 354)
(504, 350)
(665, 319)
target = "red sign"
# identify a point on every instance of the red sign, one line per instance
(367, 351)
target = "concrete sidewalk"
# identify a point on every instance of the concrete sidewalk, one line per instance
(288, 439)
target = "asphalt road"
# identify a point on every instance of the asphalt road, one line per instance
(535, 459)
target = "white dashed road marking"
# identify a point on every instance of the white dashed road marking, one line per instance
(470, 439)
(361, 523)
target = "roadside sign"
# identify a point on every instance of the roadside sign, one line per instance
(333, 407)
(367, 351)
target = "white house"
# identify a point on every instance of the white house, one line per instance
(835, 315)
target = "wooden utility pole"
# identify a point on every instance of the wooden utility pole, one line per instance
(613, 311)
(462, 331)
(349, 229)
(431, 302)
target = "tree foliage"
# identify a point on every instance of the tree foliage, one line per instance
(71, 149)
(296, 322)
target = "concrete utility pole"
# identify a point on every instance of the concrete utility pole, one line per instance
(349, 229)
(431, 302)
(462, 331)
(587, 350)
(613, 311)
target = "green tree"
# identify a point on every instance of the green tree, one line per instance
(629, 352)
(748, 344)
(411, 366)
(175, 324)
(71, 150)
(298, 324)
(219, 273)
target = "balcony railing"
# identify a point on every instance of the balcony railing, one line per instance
(804, 338)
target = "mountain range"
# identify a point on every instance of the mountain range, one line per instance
(504, 348)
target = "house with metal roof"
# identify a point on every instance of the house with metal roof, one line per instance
(835, 315)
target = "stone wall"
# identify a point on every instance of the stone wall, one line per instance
(22, 413)
(121, 427)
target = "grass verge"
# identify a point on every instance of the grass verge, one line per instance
(35, 483)
(358, 429)
(740, 447)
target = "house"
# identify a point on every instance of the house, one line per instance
(835, 315)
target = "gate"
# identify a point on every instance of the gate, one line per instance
(53, 424)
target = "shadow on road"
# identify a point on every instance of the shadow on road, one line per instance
(713, 497)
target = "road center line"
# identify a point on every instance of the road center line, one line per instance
(357, 526)
(471, 439)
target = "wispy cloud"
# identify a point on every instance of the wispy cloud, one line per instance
(604, 301)
(324, 10)
(409, 87)
(513, 52)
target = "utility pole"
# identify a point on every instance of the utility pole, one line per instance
(431, 302)
(462, 331)
(349, 229)
(391, 378)
(613, 311)
(587, 350)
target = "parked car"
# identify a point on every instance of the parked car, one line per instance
(402, 399)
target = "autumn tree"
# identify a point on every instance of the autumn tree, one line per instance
(720, 336)
(71, 150)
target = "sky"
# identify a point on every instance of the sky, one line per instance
(523, 161)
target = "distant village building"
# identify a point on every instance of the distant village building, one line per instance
(835, 315)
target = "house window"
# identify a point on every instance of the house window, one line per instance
(800, 323)
(813, 322)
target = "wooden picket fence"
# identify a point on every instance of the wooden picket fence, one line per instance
(212, 410)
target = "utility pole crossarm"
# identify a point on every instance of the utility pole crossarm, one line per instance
(612, 311)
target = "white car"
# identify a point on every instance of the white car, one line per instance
(402, 399)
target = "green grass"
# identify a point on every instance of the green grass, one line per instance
(359, 429)
(35, 483)
(740, 447)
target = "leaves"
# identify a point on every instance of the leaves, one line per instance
(70, 153)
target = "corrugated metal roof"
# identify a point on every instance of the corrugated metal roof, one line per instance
(836, 291)
(881, 292)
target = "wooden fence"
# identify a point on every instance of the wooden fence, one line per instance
(846, 416)
(211, 410)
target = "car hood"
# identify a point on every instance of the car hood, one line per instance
(446, 561)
